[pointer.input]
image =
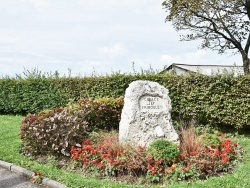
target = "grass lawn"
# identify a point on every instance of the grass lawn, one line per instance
(10, 152)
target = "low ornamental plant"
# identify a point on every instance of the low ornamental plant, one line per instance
(106, 157)
(163, 150)
(55, 131)
(37, 177)
(161, 154)
(109, 157)
(215, 159)
(211, 153)
(52, 132)
(189, 140)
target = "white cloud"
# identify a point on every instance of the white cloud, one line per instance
(112, 4)
(113, 50)
(94, 63)
(185, 58)
(168, 59)
(194, 57)
(39, 3)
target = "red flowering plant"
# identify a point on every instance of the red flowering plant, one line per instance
(155, 169)
(202, 156)
(211, 160)
(109, 157)
(161, 161)
(161, 154)
(37, 178)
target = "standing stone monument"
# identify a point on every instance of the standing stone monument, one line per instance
(146, 115)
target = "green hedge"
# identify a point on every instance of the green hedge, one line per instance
(222, 100)
(30, 95)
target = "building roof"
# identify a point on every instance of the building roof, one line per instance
(207, 69)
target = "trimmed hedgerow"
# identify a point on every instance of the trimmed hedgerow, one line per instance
(30, 95)
(220, 99)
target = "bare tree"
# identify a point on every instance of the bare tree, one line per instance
(221, 24)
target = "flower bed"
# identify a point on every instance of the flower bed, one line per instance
(103, 156)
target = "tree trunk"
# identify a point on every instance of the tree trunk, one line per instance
(246, 62)
(248, 8)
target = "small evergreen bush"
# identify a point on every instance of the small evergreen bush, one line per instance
(163, 150)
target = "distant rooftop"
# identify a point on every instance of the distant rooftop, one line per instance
(204, 69)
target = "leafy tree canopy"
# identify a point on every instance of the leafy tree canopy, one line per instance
(221, 24)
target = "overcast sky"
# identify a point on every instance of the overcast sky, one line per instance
(87, 35)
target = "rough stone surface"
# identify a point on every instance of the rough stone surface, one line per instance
(146, 115)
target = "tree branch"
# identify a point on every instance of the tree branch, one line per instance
(235, 42)
(215, 29)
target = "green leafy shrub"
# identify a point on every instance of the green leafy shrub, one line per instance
(103, 113)
(163, 150)
(209, 139)
(53, 132)
(56, 130)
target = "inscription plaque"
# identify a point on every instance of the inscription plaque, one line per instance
(151, 104)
